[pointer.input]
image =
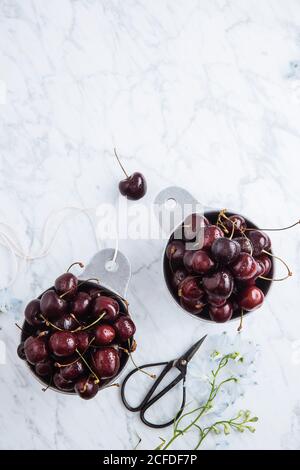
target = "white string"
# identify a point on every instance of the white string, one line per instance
(45, 248)
(116, 250)
(8, 242)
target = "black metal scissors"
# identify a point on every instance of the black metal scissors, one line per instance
(181, 364)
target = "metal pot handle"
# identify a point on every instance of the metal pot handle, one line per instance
(172, 205)
(115, 276)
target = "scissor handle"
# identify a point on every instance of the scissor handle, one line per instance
(149, 394)
(147, 405)
(148, 401)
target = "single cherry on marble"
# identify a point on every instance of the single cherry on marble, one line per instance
(134, 186)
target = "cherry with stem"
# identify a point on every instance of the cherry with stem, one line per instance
(289, 272)
(134, 186)
(128, 352)
(97, 380)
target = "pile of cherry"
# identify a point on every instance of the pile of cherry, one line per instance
(223, 273)
(77, 336)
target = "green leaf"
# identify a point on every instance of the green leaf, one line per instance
(226, 429)
(250, 428)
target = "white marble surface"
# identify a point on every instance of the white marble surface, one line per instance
(198, 93)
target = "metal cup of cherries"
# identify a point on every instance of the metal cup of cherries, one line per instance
(222, 274)
(77, 336)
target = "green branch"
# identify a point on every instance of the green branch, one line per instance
(240, 423)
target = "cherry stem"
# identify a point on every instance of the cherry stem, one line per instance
(80, 284)
(74, 318)
(74, 264)
(112, 385)
(241, 321)
(127, 351)
(289, 272)
(85, 385)
(48, 323)
(125, 173)
(222, 213)
(88, 366)
(232, 230)
(20, 328)
(58, 364)
(277, 229)
(91, 324)
(27, 332)
(44, 389)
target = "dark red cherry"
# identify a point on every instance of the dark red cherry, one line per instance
(33, 313)
(80, 305)
(106, 305)
(220, 283)
(66, 285)
(235, 223)
(201, 262)
(222, 313)
(35, 350)
(93, 292)
(190, 289)
(106, 362)
(224, 250)
(192, 224)
(244, 268)
(266, 262)
(44, 369)
(211, 233)
(194, 306)
(21, 351)
(66, 322)
(52, 306)
(216, 301)
(104, 334)
(63, 343)
(188, 260)
(86, 388)
(259, 272)
(245, 244)
(260, 241)
(250, 298)
(175, 251)
(125, 328)
(82, 340)
(134, 187)
(178, 276)
(73, 371)
(62, 384)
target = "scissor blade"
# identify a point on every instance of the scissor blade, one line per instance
(192, 351)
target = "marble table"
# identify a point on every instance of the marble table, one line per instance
(197, 93)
